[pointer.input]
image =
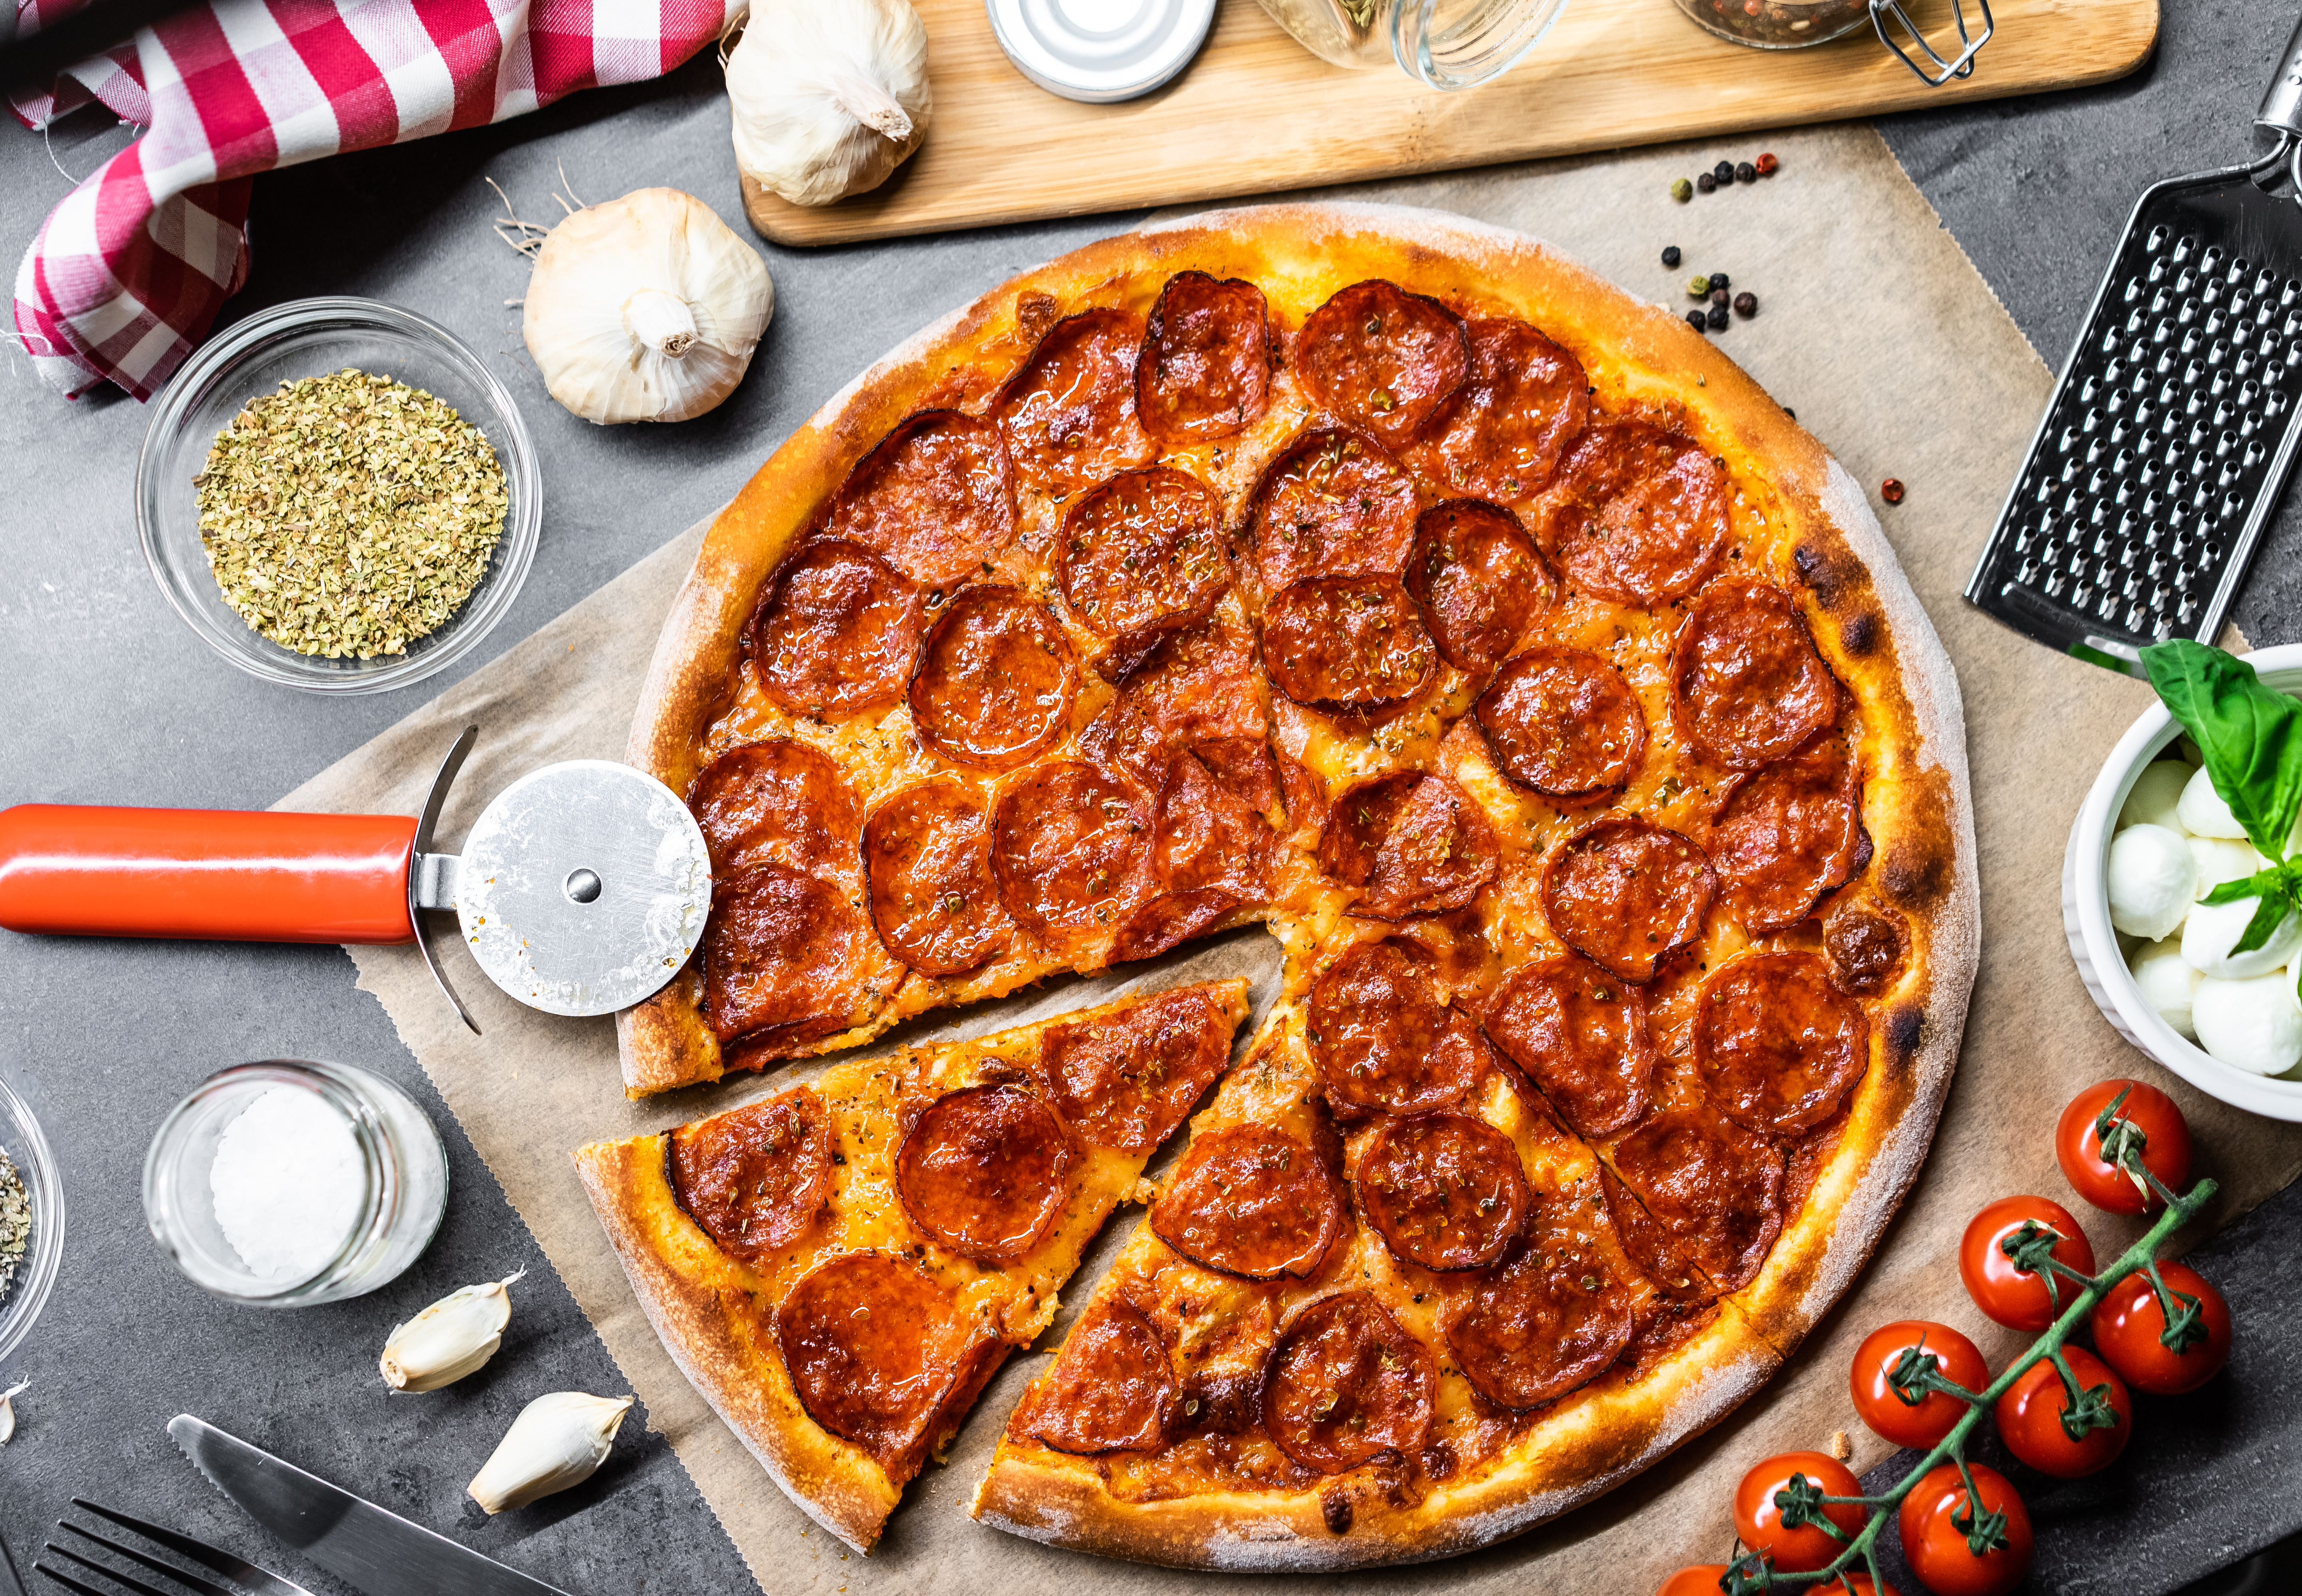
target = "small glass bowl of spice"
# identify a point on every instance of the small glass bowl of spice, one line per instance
(31, 1221)
(337, 495)
(294, 1181)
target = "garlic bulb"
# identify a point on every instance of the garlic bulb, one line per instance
(557, 1442)
(828, 96)
(8, 1410)
(645, 309)
(452, 1337)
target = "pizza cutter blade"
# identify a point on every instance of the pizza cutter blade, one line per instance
(582, 889)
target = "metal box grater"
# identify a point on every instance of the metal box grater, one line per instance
(2162, 453)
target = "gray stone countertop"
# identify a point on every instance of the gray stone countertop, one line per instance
(109, 699)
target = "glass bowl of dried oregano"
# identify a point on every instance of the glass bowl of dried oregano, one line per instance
(32, 1223)
(337, 495)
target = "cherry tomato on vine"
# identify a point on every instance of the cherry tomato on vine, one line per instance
(1702, 1580)
(2129, 1330)
(2146, 1121)
(1882, 1407)
(1759, 1518)
(2035, 1413)
(1861, 1583)
(1939, 1523)
(2017, 1298)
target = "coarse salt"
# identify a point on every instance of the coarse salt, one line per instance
(288, 1183)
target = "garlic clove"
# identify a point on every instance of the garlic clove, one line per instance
(557, 1442)
(645, 309)
(827, 98)
(454, 1337)
(8, 1410)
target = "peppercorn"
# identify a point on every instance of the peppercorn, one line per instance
(1745, 173)
(1697, 286)
(1891, 490)
(1697, 320)
(1670, 255)
(1718, 296)
(1766, 163)
(1704, 182)
(1718, 317)
(1724, 172)
(1682, 190)
(1746, 303)
(1718, 280)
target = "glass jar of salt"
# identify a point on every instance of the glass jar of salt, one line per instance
(294, 1181)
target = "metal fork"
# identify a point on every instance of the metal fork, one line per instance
(221, 1562)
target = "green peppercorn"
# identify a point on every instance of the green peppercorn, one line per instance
(1696, 319)
(1704, 183)
(1682, 190)
(1718, 317)
(1670, 255)
(1746, 303)
(1697, 286)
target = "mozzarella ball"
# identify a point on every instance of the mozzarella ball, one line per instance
(2212, 929)
(2202, 812)
(2221, 860)
(2152, 880)
(2252, 1024)
(2167, 982)
(2156, 792)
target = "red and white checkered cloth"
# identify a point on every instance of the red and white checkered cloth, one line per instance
(127, 273)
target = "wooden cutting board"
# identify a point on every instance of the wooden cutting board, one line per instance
(1256, 112)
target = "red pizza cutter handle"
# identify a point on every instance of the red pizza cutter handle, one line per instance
(227, 875)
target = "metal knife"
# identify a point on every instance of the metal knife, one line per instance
(380, 1552)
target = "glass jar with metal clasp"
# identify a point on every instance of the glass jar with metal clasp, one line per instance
(1446, 44)
(1794, 24)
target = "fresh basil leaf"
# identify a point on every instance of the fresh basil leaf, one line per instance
(2245, 886)
(2250, 732)
(2271, 914)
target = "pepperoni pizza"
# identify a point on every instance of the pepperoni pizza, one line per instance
(1550, 694)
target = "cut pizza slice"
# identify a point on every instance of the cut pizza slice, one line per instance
(841, 1266)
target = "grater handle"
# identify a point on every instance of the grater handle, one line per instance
(2281, 102)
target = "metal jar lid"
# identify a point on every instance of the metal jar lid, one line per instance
(1100, 50)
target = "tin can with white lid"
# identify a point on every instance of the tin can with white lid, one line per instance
(1100, 51)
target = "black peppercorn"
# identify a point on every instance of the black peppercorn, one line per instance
(1718, 296)
(1704, 183)
(1746, 303)
(1718, 317)
(1745, 173)
(1724, 171)
(1718, 280)
(1696, 319)
(1670, 255)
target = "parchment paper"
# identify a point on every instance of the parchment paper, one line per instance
(1878, 334)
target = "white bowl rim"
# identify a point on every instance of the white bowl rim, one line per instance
(36, 1162)
(2152, 732)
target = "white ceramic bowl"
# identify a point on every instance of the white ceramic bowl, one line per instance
(2085, 913)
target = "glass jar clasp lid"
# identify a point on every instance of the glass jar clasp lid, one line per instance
(1943, 69)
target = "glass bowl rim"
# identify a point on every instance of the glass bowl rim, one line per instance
(508, 565)
(36, 1162)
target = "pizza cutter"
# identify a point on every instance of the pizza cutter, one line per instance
(581, 890)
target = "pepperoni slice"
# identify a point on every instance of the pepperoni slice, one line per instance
(1550, 1321)
(1127, 1081)
(1362, 817)
(1746, 685)
(928, 853)
(1384, 1036)
(985, 1171)
(1204, 369)
(1777, 1044)
(1331, 503)
(995, 680)
(1347, 644)
(837, 631)
(1243, 766)
(1443, 1190)
(1067, 413)
(1203, 837)
(779, 801)
(1069, 845)
(1581, 1034)
(1563, 723)
(878, 1353)
(1382, 358)
(1112, 1388)
(1347, 1383)
(1703, 1203)
(1479, 580)
(1197, 684)
(1250, 1201)
(1169, 921)
(1865, 947)
(1787, 834)
(1639, 514)
(936, 498)
(785, 950)
(755, 1178)
(1141, 555)
(1522, 402)
(1625, 891)
(1418, 843)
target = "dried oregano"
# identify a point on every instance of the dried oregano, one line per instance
(349, 514)
(15, 1222)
